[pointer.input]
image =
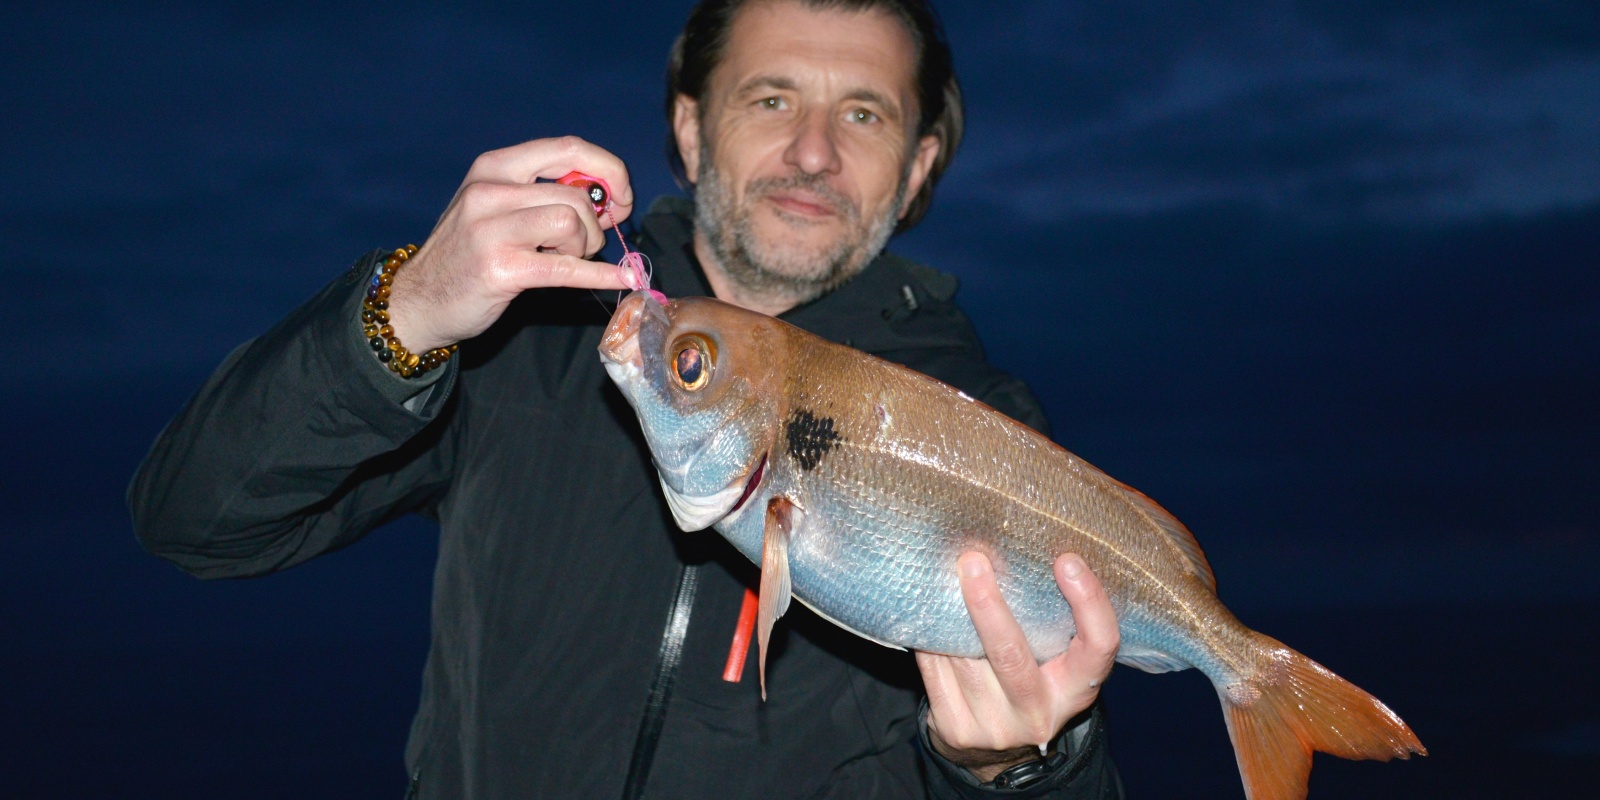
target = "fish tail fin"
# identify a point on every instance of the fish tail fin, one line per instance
(1296, 707)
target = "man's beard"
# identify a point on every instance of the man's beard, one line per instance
(767, 270)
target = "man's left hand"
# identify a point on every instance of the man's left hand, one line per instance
(987, 714)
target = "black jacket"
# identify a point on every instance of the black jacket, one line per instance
(558, 560)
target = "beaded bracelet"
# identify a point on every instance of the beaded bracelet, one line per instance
(380, 334)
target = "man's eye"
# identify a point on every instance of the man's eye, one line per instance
(863, 116)
(772, 103)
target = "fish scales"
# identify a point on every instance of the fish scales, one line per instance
(968, 479)
(856, 484)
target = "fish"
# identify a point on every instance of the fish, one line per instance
(855, 484)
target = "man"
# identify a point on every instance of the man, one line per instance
(810, 131)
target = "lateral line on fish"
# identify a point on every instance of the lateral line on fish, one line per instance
(1217, 646)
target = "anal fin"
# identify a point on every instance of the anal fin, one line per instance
(1151, 661)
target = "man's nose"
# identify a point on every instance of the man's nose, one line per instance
(814, 150)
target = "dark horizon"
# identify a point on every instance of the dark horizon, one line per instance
(1321, 279)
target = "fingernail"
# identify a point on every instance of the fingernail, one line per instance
(1072, 566)
(971, 567)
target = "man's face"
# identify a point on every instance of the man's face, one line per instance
(805, 149)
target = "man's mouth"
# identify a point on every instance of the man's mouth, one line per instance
(803, 203)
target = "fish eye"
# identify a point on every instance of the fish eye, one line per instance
(689, 366)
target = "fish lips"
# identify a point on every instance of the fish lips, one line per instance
(619, 347)
(620, 343)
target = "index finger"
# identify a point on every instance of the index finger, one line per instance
(553, 158)
(539, 270)
(1004, 644)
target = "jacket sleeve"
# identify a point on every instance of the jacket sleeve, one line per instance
(1083, 770)
(298, 444)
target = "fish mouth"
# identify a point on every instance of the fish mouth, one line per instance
(620, 343)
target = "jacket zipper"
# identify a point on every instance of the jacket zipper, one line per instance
(666, 673)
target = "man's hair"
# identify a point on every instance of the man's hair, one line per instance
(700, 47)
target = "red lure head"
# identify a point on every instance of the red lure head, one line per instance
(599, 191)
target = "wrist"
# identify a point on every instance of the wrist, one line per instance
(404, 316)
(988, 774)
(378, 323)
(983, 764)
(1077, 747)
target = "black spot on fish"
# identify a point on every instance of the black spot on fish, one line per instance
(810, 438)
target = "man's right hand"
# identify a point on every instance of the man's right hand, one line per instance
(502, 234)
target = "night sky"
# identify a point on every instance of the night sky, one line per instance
(1319, 277)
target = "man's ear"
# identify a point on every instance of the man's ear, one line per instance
(686, 129)
(921, 165)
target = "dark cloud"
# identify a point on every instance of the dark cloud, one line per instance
(1048, 61)
(146, 103)
(1280, 107)
(1486, 33)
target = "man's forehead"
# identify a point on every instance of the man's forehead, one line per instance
(787, 42)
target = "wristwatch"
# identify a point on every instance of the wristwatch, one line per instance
(1028, 773)
(1059, 765)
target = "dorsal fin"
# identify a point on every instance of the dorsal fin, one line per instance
(1175, 531)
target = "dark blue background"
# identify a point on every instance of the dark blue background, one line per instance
(1320, 277)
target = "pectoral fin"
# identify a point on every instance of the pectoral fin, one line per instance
(783, 516)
